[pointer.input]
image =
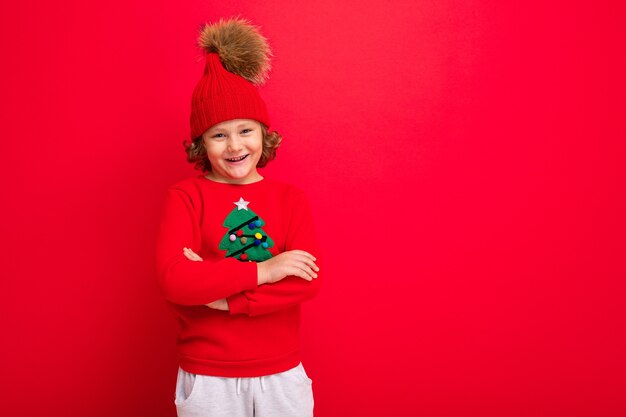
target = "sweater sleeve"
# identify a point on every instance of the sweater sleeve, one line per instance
(291, 290)
(187, 282)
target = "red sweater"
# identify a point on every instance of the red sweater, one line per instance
(260, 333)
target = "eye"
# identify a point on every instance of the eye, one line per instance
(218, 135)
(246, 130)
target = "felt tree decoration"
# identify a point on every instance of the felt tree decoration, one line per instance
(245, 239)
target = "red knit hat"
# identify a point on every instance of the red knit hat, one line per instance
(237, 60)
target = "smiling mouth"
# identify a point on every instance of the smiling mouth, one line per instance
(240, 158)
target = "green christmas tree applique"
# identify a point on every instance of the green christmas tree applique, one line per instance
(245, 239)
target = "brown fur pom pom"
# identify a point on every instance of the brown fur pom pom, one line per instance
(240, 46)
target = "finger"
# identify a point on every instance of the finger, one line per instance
(194, 255)
(305, 253)
(301, 255)
(297, 272)
(312, 265)
(301, 274)
(308, 261)
(304, 272)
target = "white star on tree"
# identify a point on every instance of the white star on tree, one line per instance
(242, 204)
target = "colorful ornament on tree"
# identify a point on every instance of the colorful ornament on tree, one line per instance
(240, 241)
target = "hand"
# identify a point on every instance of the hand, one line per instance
(294, 262)
(191, 255)
(217, 305)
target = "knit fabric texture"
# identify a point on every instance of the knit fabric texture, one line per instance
(221, 95)
(259, 334)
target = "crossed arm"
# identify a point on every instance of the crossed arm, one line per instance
(295, 263)
(253, 289)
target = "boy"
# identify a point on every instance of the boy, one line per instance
(235, 250)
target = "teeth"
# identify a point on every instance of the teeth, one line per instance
(237, 159)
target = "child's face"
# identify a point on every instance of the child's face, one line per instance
(233, 139)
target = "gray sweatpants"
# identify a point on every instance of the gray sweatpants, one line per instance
(285, 394)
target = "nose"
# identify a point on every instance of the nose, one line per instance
(234, 144)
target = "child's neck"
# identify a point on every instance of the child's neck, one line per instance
(248, 180)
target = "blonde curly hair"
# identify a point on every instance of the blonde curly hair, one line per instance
(197, 154)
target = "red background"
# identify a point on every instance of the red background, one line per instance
(464, 159)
